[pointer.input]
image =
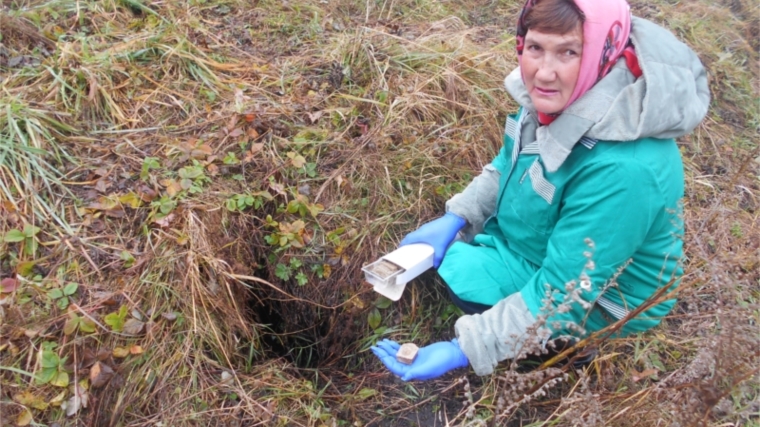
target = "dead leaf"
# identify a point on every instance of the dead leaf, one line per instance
(88, 358)
(77, 401)
(234, 118)
(103, 354)
(58, 399)
(115, 213)
(227, 377)
(133, 327)
(135, 350)
(28, 399)
(120, 352)
(105, 203)
(100, 374)
(253, 133)
(201, 152)
(71, 325)
(97, 225)
(315, 116)
(172, 187)
(236, 132)
(131, 199)
(256, 147)
(11, 208)
(170, 316)
(94, 87)
(165, 222)
(25, 418)
(146, 194)
(278, 188)
(8, 285)
(104, 297)
(101, 185)
(638, 376)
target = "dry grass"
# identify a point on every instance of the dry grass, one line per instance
(349, 124)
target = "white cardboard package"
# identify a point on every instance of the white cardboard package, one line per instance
(412, 261)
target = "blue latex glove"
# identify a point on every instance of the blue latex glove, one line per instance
(431, 362)
(438, 233)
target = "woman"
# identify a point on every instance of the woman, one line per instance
(576, 222)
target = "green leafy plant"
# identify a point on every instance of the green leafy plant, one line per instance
(285, 271)
(193, 177)
(51, 364)
(241, 202)
(301, 165)
(300, 205)
(375, 318)
(25, 236)
(165, 205)
(75, 322)
(61, 295)
(128, 259)
(287, 234)
(230, 159)
(149, 163)
(736, 230)
(321, 270)
(282, 271)
(117, 319)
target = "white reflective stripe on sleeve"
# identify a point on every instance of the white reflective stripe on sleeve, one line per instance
(516, 145)
(617, 311)
(588, 142)
(544, 188)
(531, 148)
(510, 128)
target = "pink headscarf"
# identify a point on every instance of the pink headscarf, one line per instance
(606, 28)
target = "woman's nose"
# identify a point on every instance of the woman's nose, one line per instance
(546, 71)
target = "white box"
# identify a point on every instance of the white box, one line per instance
(408, 261)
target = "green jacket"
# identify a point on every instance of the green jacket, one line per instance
(608, 203)
(587, 208)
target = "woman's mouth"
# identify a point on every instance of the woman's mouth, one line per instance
(545, 92)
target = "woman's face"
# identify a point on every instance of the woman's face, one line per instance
(550, 66)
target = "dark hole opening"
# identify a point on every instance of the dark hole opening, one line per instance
(284, 334)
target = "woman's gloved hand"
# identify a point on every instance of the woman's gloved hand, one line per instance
(438, 233)
(432, 361)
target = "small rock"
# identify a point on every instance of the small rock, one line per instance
(407, 353)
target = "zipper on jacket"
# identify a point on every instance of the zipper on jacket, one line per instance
(523, 176)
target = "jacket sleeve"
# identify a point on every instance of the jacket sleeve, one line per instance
(478, 201)
(501, 332)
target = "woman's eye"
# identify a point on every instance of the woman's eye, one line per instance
(534, 47)
(570, 52)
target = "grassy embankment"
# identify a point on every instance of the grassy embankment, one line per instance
(189, 189)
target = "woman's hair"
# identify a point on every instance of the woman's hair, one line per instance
(554, 16)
